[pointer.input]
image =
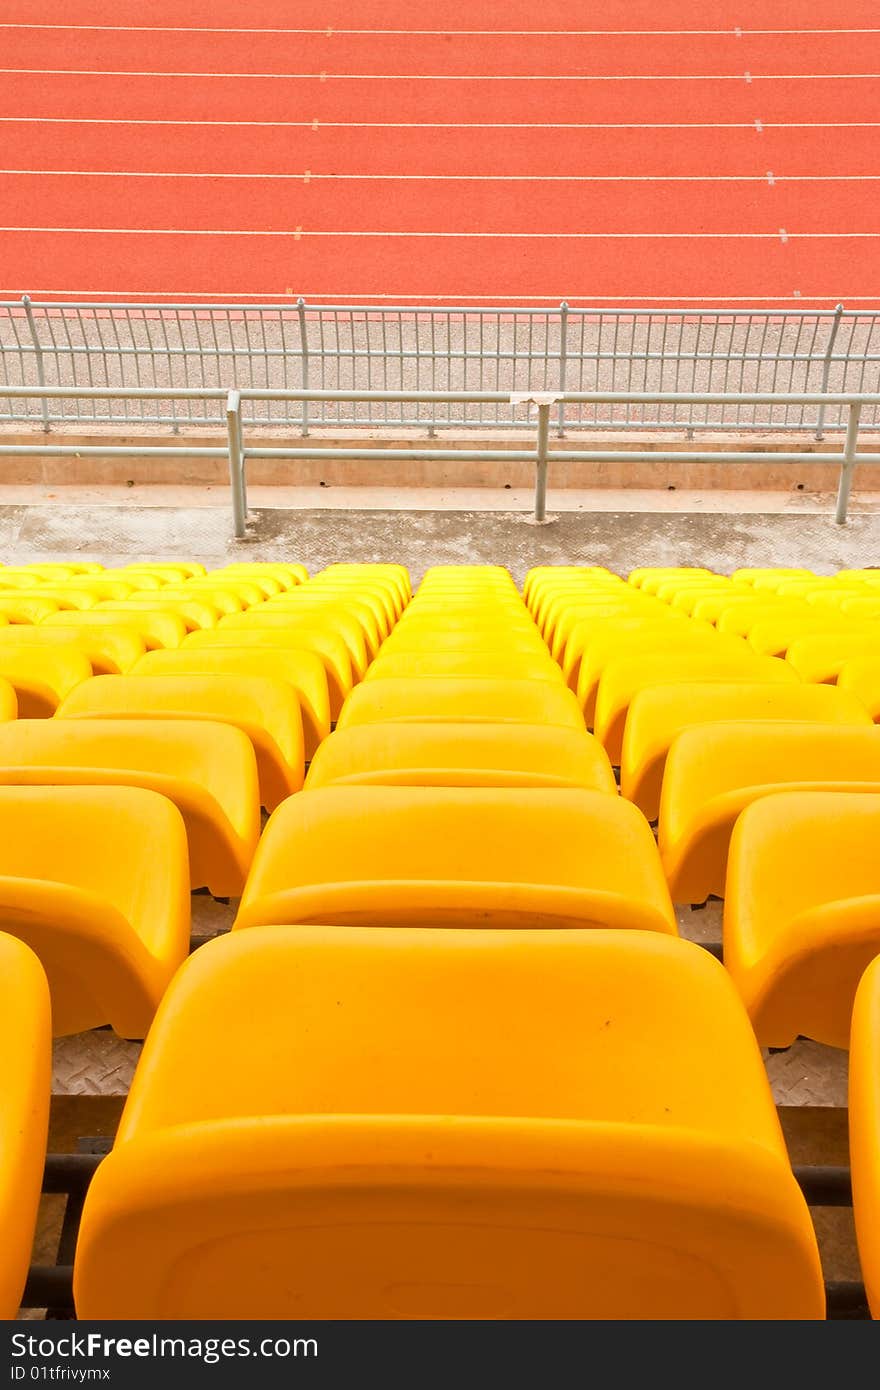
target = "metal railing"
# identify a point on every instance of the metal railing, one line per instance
(469, 352)
(548, 406)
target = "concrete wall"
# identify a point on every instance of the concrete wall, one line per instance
(812, 475)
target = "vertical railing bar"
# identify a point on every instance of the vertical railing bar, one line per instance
(236, 463)
(304, 352)
(848, 465)
(543, 442)
(826, 368)
(38, 358)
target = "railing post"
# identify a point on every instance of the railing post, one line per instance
(826, 368)
(563, 364)
(304, 349)
(38, 356)
(236, 463)
(848, 465)
(541, 459)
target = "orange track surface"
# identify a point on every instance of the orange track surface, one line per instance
(705, 164)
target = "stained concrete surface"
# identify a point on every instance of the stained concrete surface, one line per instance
(115, 533)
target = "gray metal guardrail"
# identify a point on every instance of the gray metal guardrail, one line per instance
(545, 404)
(365, 348)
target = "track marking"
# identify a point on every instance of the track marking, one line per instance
(308, 176)
(452, 77)
(299, 232)
(317, 299)
(441, 33)
(450, 125)
(150, 298)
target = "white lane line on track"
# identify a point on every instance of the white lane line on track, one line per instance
(296, 233)
(453, 77)
(456, 33)
(412, 302)
(308, 176)
(450, 125)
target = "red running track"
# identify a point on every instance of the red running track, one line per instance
(696, 152)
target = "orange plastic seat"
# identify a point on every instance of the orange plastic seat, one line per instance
(461, 755)
(452, 856)
(864, 1128)
(42, 676)
(802, 911)
(438, 699)
(658, 714)
(303, 671)
(25, 1084)
(714, 771)
(208, 770)
(624, 677)
(79, 885)
(266, 710)
(454, 1125)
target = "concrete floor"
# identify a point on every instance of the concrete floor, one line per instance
(112, 525)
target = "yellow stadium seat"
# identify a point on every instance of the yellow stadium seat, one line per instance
(460, 637)
(8, 701)
(102, 586)
(861, 679)
(773, 637)
(477, 1125)
(658, 714)
(328, 646)
(155, 629)
(802, 911)
(714, 771)
(461, 755)
(309, 617)
(265, 709)
(822, 656)
(303, 671)
(42, 675)
(109, 651)
(624, 677)
(594, 650)
(239, 592)
(222, 600)
(307, 601)
(649, 578)
(94, 880)
(445, 700)
(63, 598)
(195, 612)
(864, 1128)
(25, 1084)
(289, 575)
(497, 663)
(453, 856)
(208, 770)
(574, 623)
(182, 568)
(14, 609)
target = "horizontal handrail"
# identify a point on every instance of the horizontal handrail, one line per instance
(170, 393)
(238, 453)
